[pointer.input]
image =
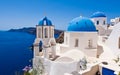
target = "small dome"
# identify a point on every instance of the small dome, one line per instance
(98, 14)
(81, 24)
(45, 21)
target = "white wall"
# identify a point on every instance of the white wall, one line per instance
(113, 39)
(100, 19)
(100, 27)
(83, 42)
(56, 68)
(59, 68)
(83, 38)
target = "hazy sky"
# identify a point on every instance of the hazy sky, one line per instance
(27, 13)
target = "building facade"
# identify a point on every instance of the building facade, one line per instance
(86, 44)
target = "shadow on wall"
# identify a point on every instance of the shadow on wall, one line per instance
(99, 51)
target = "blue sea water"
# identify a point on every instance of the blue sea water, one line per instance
(56, 35)
(14, 52)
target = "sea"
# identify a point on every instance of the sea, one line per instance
(15, 52)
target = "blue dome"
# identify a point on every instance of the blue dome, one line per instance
(45, 21)
(98, 14)
(81, 24)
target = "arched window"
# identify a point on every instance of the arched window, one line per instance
(39, 33)
(76, 43)
(52, 32)
(89, 43)
(45, 22)
(46, 36)
(119, 43)
(97, 22)
(103, 22)
(40, 46)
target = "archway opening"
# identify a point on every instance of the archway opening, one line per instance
(40, 46)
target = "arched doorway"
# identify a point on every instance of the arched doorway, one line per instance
(40, 46)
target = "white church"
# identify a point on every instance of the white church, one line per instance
(91, 47)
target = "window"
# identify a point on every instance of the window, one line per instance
(45, 22)
(103, 22)
(97, 22)
(46, 36)
(40, 46)
(39, 33)
(76, 43)
(119, 43)
(89, 43)
(52, 32)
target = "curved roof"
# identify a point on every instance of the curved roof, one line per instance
(81, 24)
(74, 54)
(64, 59)
(45, 21)
(98, 14)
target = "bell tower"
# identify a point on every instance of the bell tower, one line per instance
(100, 21)
(45, 29)
(45, 42)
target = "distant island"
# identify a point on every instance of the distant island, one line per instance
(32, 30)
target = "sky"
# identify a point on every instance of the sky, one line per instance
(16, 14)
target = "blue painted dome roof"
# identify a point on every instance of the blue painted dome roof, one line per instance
(45, 21)
(98, 14)
(81, 24)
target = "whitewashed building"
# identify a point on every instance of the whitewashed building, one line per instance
(87, 49)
